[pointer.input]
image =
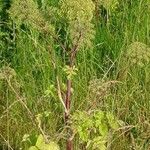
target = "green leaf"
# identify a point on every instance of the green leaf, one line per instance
(52, 146)
(102, 147)
(99, 115)
(99, 143)
(113, 122)
(33, 148)
(100, 123)
(40, 141)
(103, 129)
(51, 91)
(41, 145)
(83, 135)
(70, 71)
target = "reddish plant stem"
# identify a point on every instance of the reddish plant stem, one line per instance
(69, 144)
(69, 83)
(68, 98)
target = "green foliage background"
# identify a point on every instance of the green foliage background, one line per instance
(108, 77)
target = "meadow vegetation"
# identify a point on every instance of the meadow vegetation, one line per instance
(74, 74)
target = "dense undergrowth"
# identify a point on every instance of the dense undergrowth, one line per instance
(110, 74)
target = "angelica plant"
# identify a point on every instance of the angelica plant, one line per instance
(27, 12)
(79, 14)
(79, 31)
(138, 54)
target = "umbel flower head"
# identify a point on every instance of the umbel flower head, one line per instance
(79, 14)
(138, 54)
(100, 88)
(27, 12)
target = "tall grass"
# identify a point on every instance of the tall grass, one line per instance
(33, 58)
